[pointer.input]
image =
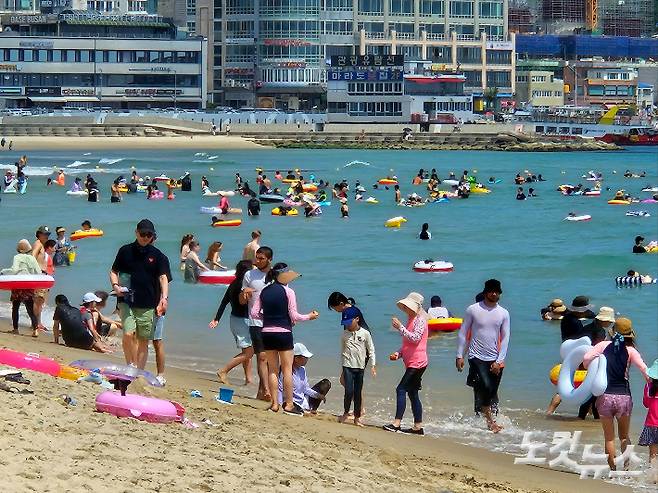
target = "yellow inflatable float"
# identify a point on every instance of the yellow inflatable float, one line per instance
(90, 233)
(619, 202)
(395, 222)
(577, 379)
(278, 212)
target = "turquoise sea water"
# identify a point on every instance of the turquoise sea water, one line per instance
(527, 245)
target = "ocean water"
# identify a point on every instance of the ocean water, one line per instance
(526, 245)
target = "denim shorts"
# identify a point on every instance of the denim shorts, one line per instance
(614, 405)
(240, 330)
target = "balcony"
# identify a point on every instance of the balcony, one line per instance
(371, 35)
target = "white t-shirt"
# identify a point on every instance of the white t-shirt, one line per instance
(254, 279)
(438, 312)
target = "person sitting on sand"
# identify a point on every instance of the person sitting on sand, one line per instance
(68, 321)
(303, 395)
(554, 311)
(105, 326)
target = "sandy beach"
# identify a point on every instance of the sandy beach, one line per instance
(52, 447)
(31, 143)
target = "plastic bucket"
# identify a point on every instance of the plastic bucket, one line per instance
(225, 395)
(71, 256)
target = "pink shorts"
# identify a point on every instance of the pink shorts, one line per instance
(614, 406)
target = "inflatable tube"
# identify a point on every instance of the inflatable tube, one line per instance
(444, 324)
(638, 214)
(70, 373)
(648, 201)
(116, 370)
(156, 195)
(495, 182)
(29, 361)
(387, 181)
(227, 224)
(395, 222)
(123, 189)
(310, 187)
(634, 280)
(217, 277)
(619, 202)
(26, 281)
(325, 203)
(270, 198)
(371, 200)
(480, 190)
(278, 212)
(210, 210)
(432, 266)
(79, 193)
(577, 379)
(592, 193)
(291, 203)
(140, 407)
(442, 200)
(583, 217)
(650, 189)
(289, 180)
(596, 380)
(161, 178)
(220, 193)
(452, 183)
(80, 234)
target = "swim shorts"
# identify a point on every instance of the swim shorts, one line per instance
(485, 383)
(277, 341)
(240, 330)
(614, 406)
(158, 332)
(255, 334)
(138, 320)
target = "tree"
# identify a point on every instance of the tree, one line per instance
(490, 95)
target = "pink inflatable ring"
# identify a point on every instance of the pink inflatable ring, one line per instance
(217, 277)
(139, 407)
(26, 281)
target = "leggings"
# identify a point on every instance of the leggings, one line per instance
(410, 384)
(353, 378)
(29, 306)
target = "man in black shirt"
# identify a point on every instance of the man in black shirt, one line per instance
(253, 206)
(140, 278)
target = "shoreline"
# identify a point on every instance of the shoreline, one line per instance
(220, 142)
(250, 447)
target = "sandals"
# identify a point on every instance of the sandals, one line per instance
(17, 378)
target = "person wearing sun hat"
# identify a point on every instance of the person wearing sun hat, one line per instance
(23, 263)
(649, 435)
(554, 311)
(601, 326)
(489, 326)
(616, 403)
(571, 325)
(62, 247)
(414, 355)
(276, 306)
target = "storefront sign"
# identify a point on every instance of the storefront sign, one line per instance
(78, 91)
(36, 44)
(286, 42)
(8, 67)
(27, 19)
(381, 75)
(43, 91)
(367, 61)
(239, 71)
(149, 92)
(291, 64)
(11, 91)
(500, 45)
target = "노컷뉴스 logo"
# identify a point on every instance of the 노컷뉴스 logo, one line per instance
(563, 451)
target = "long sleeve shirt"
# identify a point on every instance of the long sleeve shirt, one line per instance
(414, 342)
(295, 316)
(651, 403)
(301, 390)
(232, 296)
(356, 347)
(489, 332)
(23, 263)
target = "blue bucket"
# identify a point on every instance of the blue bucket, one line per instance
(225, 395)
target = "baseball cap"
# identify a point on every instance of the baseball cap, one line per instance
(349, 314)
(300, 349)
(146, 226)
(43, 229)
(89, 297)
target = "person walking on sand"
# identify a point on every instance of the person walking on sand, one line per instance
(238, 324)
(250, 249)
(488, 324)
(23, 263)
(252, 284)
(140, 279)
(414, 355)
(39, 253)
(276, 307)
(357, 349)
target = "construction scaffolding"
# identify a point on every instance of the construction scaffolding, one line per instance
(633, 18)
(563, 11)
(520, 18)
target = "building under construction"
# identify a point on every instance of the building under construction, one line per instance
(633, 18)
(520, 18)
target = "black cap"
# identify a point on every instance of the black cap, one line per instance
(492, 286)
(639, 238)
(145, 226)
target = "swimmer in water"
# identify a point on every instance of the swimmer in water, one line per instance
(344, 209)
(425, 232)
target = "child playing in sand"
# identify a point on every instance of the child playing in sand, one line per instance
(357, 349)
(649, 436)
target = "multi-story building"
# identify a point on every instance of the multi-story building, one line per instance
(89, 59)
(602, 84)
(274, 52)
(540, 89)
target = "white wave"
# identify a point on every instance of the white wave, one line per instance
(200, 154)
(30, 170)
(87, 154)
(109, 161)
(76, 164)
(357, 163)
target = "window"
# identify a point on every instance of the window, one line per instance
(491, 10)
(497, 78)
(459, 8)
(369, 7)
(338, 4)
(497, 57)
(595, 90)
(469, 55)
(431, 7)
(401, 7)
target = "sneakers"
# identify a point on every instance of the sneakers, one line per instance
(392, 428)
(412, 431)
(162, 380)
(295, 411)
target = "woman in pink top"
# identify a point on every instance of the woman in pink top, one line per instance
(276, 306)
(616, 402)
(649, 436)
(414, 354)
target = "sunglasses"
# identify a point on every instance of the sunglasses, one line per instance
(146, 234)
